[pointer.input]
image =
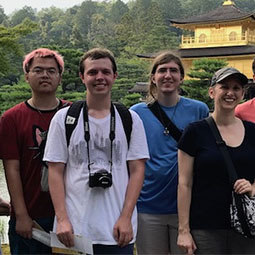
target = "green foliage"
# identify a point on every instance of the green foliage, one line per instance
(11, 95)
(71, 80)
(25, 13)
(194, 7)
(127, 29)
(118, 9)
(204, 68)
(131, 99)
(246, 5)
(3, 17)
(201, 73)
(9, 44)
(72, 96)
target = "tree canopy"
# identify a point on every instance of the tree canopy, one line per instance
(127, 29)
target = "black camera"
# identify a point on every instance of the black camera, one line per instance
(100, 178)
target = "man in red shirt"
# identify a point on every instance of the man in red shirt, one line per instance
(23, 132)
(246, 110)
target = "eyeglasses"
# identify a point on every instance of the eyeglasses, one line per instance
(52, 72)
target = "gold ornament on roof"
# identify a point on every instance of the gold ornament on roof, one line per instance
(228, 2)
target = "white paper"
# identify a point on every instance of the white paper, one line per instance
(41, 236)
(81, 243)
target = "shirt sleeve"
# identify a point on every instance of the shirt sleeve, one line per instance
(138, 148)
(56, 146)
(187, 142)
(9, 147)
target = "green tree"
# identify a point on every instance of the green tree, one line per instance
(201, 73)
(118, 9)
(170, 8)
(71, 80)
(12, 95)
(25, 13)
(3, 17)
(246, 5)
(131, 99)
(84, 15)
(53, 26)
(194, 7)
(10, 48)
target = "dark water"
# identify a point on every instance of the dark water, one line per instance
(4, 194)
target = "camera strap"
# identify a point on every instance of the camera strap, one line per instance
(87, 134)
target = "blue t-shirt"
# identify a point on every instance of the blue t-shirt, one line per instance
(159, 192)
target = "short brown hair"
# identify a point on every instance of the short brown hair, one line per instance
(98, 53)
(162, 58)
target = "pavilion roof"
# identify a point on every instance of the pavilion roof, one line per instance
(224, 13)
(217, 52)
(208, 52)
(140, 87)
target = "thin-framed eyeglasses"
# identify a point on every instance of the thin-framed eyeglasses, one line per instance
(39, 71)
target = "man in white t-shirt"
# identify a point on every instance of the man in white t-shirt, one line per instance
(93, 192)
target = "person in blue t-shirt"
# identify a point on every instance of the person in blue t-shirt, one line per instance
(157, 204)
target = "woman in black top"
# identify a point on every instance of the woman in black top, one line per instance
(204, 192)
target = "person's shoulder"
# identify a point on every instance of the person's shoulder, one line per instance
(248, 124)
(18, 108)
(249, 130)
(247, 104)
(197, 125)
(65, 103)
(138, 106)
(193, 102)
(63, 111)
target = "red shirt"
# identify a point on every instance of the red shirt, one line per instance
(22, 130)
(246, 110)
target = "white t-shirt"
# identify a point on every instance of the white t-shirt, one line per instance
(94, 211)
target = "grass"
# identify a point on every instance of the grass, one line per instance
(5, 249)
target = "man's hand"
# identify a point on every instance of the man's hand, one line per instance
(6, 206)
(65, 232)
(24, 226)
(122, 231)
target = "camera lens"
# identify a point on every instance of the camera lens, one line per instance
(101, 178)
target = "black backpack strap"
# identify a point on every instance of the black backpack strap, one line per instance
(126, 119)
(165, 121)
(71, 119)
(231, 173)
(223, 149)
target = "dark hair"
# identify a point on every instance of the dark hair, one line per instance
(162, 58)
(43, 53)
(98, 53)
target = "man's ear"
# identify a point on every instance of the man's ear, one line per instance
(60, 80)
(81, 76)
(26, 77)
